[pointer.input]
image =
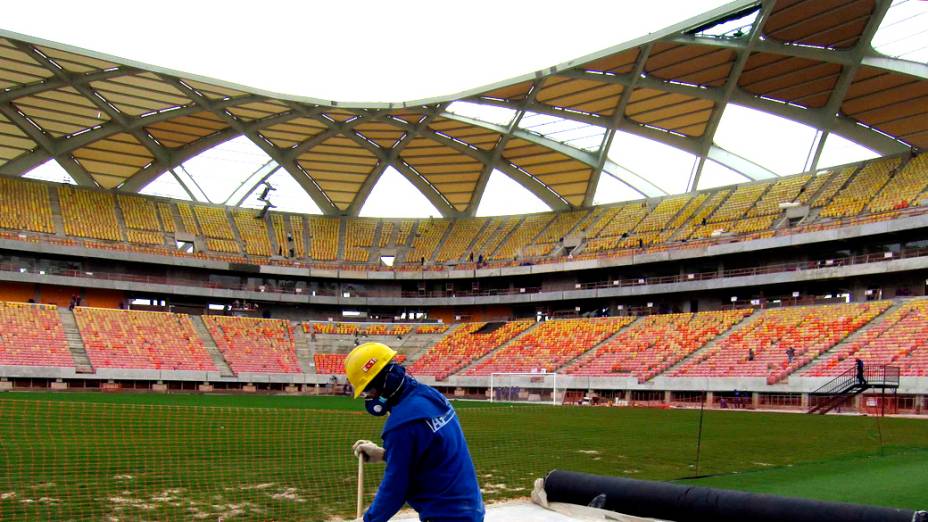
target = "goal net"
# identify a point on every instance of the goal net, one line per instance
(524, 387)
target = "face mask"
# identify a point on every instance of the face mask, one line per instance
(378, 407)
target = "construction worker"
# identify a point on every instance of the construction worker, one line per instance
(428, 463)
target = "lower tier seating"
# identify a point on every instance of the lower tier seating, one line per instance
(780, 341)
(464, 346)
(254, 345)
(655, 343)
(141, 340)
(32, 335)
(898, 339)
(550, 345)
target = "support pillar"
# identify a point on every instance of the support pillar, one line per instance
(249, 388)
(710, 398)
(668, 395)
(205, 387)
(59, 385)
(159, 387)
(291, 388)
(5, 384)
(755, 400)
(804, 401)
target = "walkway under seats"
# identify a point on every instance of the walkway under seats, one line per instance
(550, 345)
(32, 335)
(900, 338)
(254, 345)
(132, 339)
(464, 346)
(809, 330)
(655, 343)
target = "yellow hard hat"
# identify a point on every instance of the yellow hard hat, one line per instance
(365, 362)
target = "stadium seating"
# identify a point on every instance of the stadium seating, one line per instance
(139, 213)
(737, 205)
(831, 186)
(167, 217)
(324, 242)
(187, 218)
(462, 234)
(494, 234)
(89, 213)
(530, 227)
(214, 222)
(655, 343)
(809, 330)
(432, 329)
(254, 345)
(359, 238)
(550, 345)
(428, 235)
(32, 335)
(461, 347)
(386, 234)
(299, 245)
(900, 339)
(25, 206)
(141, 340)
(253, 232)
(861, 189)
(403, 231)
(663, 212)
(904, 188)
(783, 191)
(279, 227)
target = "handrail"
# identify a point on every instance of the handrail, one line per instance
(874, 376)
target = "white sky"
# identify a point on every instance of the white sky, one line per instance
(398, 51)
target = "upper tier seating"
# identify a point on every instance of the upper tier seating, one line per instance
(334, 363)
(879, 189)
(461, 347)
(900, 339)
(550, 345)
(89, 213)
(141, 340)
(655, 343)
(324, 242)
(809, 330)
(330, 328)
(432, 329)
(254, 345)
(25, 206)
(32, 335)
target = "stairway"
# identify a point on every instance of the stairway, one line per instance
(850, 384)
(211, 348)
(304, 352)
(75, 341)
(57, 220)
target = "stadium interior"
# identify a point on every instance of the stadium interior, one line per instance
(729, 279)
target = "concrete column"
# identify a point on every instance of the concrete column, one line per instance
(5, 384)
(755, 400)
(667, 396)
(459, 392)
(857, 402)
(804, 401)
(205, 387)
(709, 398)
(249, 388)
(291, 388)
(59, 385)
(159, 387)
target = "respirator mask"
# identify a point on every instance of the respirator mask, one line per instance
(393, 380)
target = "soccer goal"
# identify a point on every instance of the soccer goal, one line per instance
(523, 387)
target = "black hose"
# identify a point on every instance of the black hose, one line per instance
(681, 503)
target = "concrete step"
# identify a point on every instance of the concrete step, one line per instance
(224, 369)
(75, 342)
(55, 205)
(304, 350)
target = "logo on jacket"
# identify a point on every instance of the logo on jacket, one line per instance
(440, 422)
(369, 364)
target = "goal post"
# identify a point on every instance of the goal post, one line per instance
(524, 387)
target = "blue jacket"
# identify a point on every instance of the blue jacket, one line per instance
(428, 464)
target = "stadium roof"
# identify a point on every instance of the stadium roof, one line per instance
(117, 124)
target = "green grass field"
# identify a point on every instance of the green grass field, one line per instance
(98, 456)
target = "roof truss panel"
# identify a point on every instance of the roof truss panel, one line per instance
(516, 92)
(799, 80)
(61, 112)
(340, 116)
(479, 137)
(177, 132)
(340, 166)
(292, 132)
(580, 95)
(257, 110)
(893, 103)
(213, 92)
(76, 63)
(695, 64)
(669, 111)
(619, 63)
(451, 172)
(825, 23)
(568, 177)
(409, 116)
(386, 136)
(110, 161)
(18, 68)
(139, 93)
(13, 141)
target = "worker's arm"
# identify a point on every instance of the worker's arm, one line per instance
(402, 446)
